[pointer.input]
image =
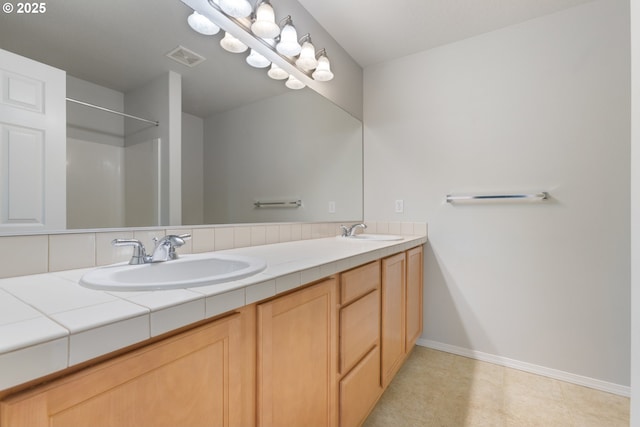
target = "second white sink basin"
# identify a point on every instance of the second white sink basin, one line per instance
(188, 271)
(373, 237)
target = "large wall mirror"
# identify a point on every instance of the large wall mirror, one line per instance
(244, 138)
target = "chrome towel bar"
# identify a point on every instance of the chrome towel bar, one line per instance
(279, 204)
(531, 197)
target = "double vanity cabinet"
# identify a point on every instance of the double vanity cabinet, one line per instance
(320, 355)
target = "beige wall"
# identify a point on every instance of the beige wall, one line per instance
(543, 105)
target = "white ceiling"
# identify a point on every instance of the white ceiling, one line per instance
(373, 31)
(121, 44)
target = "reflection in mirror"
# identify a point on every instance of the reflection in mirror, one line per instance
(228, 136)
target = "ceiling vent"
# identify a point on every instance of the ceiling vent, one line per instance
(185, 56)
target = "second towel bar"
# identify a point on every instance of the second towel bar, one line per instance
(494, 197)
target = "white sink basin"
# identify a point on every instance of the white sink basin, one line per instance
(373, 237)
(188, 271)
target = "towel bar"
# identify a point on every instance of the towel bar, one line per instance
(533, 197)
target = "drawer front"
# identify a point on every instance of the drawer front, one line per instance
(359, 329)
(360, 390)
(359, 281)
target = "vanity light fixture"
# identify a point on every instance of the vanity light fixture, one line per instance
(236, 8)
(272, 44)
(264, 25)
(257, 60)
(307, 59)
(232, 44)
(293, 83)
(277, 73)
(202, 24)
(288, 44)
(322, 72)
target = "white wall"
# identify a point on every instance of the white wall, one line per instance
(543, 105)
(635, 213)
(95, 185)
(192, 169)
(159, 100)
(95, 157)
(90, 124)
(293, 146)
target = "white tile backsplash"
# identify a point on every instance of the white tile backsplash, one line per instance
(203, 240)
(258, 235)
(273, 234)
(224, 238)
(33, 254)
(69, 251)
(241, 237)
(106, 253)
(21, 255)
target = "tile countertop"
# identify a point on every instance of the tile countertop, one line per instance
(48, 322)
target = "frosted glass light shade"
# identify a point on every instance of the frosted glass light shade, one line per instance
(236, 8)
(257, 60)
(232, 44)
(277, 73)
(288, 44)
(307, 59)
(265, 24)
(323, 70)
(293, 83)
(202, 24)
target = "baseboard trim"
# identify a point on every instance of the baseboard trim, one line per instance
(608, 387)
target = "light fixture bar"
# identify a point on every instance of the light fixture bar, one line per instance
(242, 32)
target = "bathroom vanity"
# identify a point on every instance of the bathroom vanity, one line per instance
(317, 352)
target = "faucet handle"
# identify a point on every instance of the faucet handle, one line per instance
(351, 230)
(139, 253)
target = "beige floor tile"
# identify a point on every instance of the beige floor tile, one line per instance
(591, 420)
(438, 389)
(532, 410)
(520, 383)
(586, 403)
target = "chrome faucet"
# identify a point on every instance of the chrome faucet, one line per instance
(164, 250)
(139, 253)
(351, 230)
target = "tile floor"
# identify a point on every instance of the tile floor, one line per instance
(440, 389)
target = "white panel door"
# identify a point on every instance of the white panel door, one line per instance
(32, 145)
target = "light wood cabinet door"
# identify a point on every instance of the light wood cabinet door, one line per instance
(360, 390)
(192, 379)
(297, 372)
(359, 329)
(359, 281)
(393, 316)
(414, 302)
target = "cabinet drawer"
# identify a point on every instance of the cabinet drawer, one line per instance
(359, 329)
(360, 390)
(359, 281)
